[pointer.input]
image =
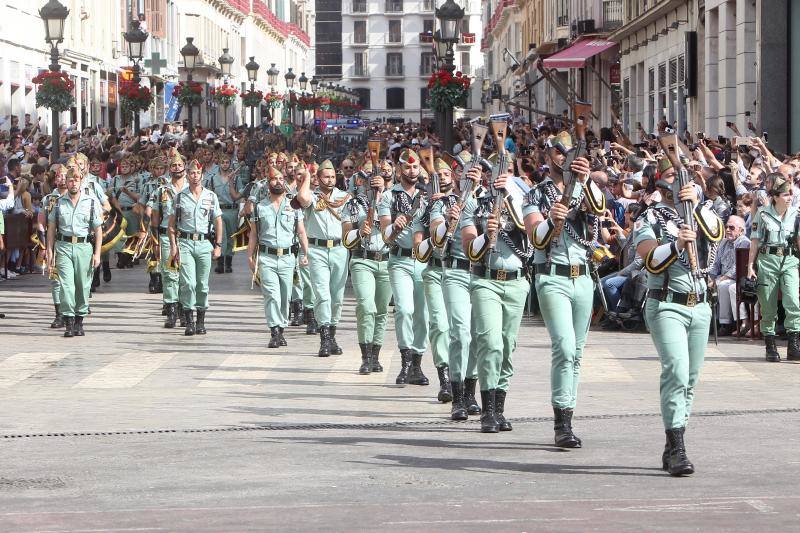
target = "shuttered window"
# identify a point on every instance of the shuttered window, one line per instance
(155, 12)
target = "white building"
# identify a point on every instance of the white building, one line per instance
(387, 55)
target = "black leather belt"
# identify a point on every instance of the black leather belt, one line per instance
(435, 261)
(499, 275)
(780, 251)
(227, 206)
(192, 236)
(126, 208)
(689, 299)
(71, 238)
(274, 251)
(461, 264)
(567, 271)
(366, 254)
(163, 231)
(325, 243)
(403, 252)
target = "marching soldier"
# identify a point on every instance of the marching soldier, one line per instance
(774, 246)
(564, 285)
(158, 169)
(273, 227)
(124, 191)
(326, 255)
(74, 239)
(48, 205)
(226, 183)
(397, 210)
(312, 327)
(195, 219)
(93, 185)
(160, 206)
(296, 311)
(369, 267)
(677, 310)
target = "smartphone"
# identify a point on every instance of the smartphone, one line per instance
(729, 124)
(742, 141)
(747, 113)
(607, 146)
(721, 139)
(700, 136)
(766, 138)
(607, 224)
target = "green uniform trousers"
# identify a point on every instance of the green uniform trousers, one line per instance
(55, 290)
(195, 269)
(680, 334)
(566, 306)
(276, 286)
(410, 312)
(131, 229)
(778, 274)
(169, 278)
(373, 292)
(74, 264)
(297, 281)
(497, 308)
(308, 290)
(456, 285)
(328, 275)
(438, 325)
(230, 223)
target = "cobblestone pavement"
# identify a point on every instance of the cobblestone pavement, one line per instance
(219, 433)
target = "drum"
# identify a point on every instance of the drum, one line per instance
(114, 226)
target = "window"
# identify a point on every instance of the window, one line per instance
(662, 91)
(395, 31)
(562, 12)
(427, 63)
(360, 64)
(394, 64)
(626, 103)
(465, 25)
(395, 98)
(427, 26)
(359, 6)
(360, 32)
(464, 66)
(363, 97)
(427, 5)
(394, 6)
(423, 98)
(651, 100)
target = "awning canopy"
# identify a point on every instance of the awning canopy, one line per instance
(575, 56)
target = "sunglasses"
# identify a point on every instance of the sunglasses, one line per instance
(348, 168)
(730, 226)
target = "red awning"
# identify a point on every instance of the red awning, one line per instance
(575, 56)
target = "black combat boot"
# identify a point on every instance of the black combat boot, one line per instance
(273, 338)
(311, 323)
(296, 312)
(366, 358)
(665, 457)
(324, 341)
(793, 350)
(564, 437)
(458, 410)
(281, 338)
(499, 407)
(106, 271)
(95, 281)
(164, 309)
(335, 349)
(405, 365)
(228, 264)
(78, 331)
(58, 321)
(772, 351)
(220, 265)
(181, 316)
(445, 391)
(678, 464)
(200, 327)
(151, 286)
(376, 365)
(415, 375)
(469, 396)
(188, 319)
(69, 326)
(172, 316)
(159, 284)
(488, 418)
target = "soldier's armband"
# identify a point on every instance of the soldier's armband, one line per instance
(424, 251)
(542, 234)
(351, 238)
(595, 199)
(477, 248)
(438, 234)
(661, 257)
(709, 223)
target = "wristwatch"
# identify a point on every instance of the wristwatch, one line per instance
(217, 245)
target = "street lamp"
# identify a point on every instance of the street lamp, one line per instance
(272, 75)
(225, 62)
(252, 75)
(449, 16)
(289, 77)
(303, 81)
(54, 14)
(190, 53)
(314, 85)
(135, 37)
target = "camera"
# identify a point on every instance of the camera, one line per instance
(607, 224)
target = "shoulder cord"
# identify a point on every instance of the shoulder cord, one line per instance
(663, 215)
(550, 193)
(401, 204)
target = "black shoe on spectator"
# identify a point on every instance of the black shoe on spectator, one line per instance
(725, 330)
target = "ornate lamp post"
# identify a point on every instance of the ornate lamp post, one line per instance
(303, 81)
(225, 62)
(289, 77)
(135, 38)
(54, 14)
(272, 75)
(449, 16)
(190, 53)
(252, 75)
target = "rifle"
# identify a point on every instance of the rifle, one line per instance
(499, 129)
(427, 162)
(374, 147)
(582, 111)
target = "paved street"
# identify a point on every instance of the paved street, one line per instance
(137, 428)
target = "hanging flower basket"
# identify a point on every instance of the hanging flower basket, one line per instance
(274, 100)
(252, 98)
(188, 93)
(135, 98)
(307, 103)
(447, 90)
(225, 94)
(324, 103)
(54, 91)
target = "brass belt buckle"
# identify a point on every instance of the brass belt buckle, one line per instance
(501, 275)
(329, 243)
(574, 271)
(279, 252)
(196, 237)
(73, 239)
(691, 300)
(779, 251)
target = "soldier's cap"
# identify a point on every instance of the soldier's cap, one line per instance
(778, 184)
(440, 164)
(82, 159)
(664, 164)
(159, 161)
(194, 164)
(366, 167)
(408, 156)
(465, 156)
(73, 172)
(561, 142)
(71, 161)
(175, 157)
(274, 173)
(327, 165)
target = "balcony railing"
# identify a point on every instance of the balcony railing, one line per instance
(426, 70)
(359, 6)
(359, 71)
(394, 6)
(612, 14)
(426, 37)
(360, 39)
(467, 38)
(394, 71)
(394, 39)
(562, 20)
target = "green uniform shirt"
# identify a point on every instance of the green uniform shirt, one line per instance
(276, 228)
(259, 190)
(326, 223)
(216, 183)
(420, 223)
(78, 220)
(196, 215)
(132, 183)
(770, 229)
(357, 209)
(456, 249)
(149, 187)
(96, 188)
(388, 207)
(476, 213)
(161, 201)
(565, 250)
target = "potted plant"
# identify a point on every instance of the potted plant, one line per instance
(188, 93)
(446, 90)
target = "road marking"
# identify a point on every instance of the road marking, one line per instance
(599, 365)
(721, 370)
(125, 372)
(21, 366)
(241, 370)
